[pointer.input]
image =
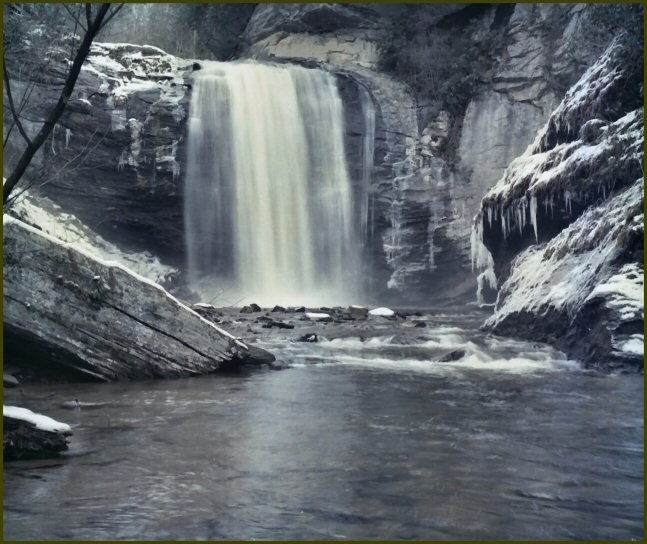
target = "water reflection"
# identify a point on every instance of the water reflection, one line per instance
(343, 451)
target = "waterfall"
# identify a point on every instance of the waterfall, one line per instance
(268, 203)
(368, 153)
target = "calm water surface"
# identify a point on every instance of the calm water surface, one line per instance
(359, 440)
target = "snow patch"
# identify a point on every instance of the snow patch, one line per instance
(316, 316)
(635, 345)
(382, 312)
(41, 422)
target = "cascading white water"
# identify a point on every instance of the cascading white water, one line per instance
(368, 154)
(268, 201)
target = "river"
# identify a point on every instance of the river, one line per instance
(360, 439)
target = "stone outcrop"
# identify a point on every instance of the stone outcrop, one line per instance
(114, 159)
(66, 309)
(564, 225)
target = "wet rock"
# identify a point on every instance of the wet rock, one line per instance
(277, 324)
(279, 365)
(251, 308)
(455, 355)
(310, 337)
(420, 324)
(278, 309)
(359, 311)
(253, 356)
(22, 440)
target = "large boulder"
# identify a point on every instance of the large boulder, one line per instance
(68, 309)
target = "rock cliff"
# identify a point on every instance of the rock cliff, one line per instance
(422, 206)
(564, 224)
(420, 169)
(114, 159)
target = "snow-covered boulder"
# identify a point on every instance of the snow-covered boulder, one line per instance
(69, 310)
(561, 234)
(583, 289)
(28, 435)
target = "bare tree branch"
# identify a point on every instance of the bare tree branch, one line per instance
(68, 88)
(12, 107)
(75, 17)
(111, 15)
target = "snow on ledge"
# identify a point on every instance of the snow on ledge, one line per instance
(51, 219)
(43, 423)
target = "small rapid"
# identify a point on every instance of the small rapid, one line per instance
(367, 436)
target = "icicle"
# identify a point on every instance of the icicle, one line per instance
(430, 239)
(68, 133)
(474, 240)
(53, 135)
(533, 215)
(567, 200)
(552, 205)
(519, 219)
(123, 160)
(479, 289)
(175, 164)
(481, 259)
(525, 212)
(489, 216)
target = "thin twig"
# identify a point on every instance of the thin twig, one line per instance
(78, 22)
(111, 15)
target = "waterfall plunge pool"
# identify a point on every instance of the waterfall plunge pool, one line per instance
(363, 438)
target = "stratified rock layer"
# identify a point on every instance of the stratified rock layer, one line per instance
(565, 224)
(65, 308)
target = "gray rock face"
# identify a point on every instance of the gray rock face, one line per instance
(98, 320)
(313, 18)
(501, 122)
(114, 159)
(565, 224)
(129, 187)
